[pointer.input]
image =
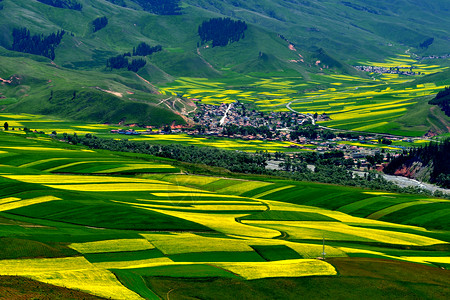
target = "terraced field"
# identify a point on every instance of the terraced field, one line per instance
(108, 235)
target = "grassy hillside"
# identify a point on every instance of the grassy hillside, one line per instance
(346, 28)
(294, 56)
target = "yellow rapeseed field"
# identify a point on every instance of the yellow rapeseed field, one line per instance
(273, 191)
(144, 263)
(61, 179)
(191, 243)
(283, 268)
(222, 222)
(26, 202)
(120, 187)
(240, 188)
(118, 245)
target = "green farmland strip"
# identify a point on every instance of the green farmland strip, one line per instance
(185, 270)
(374, 202)
(434, 215)
(222, 256)
(135, 283)
(377, 206)
(276, 252)
(391, 209)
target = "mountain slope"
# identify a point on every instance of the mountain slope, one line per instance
(347, 28)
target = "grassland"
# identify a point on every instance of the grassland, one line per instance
(84, 231)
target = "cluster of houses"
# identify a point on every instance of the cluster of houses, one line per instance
(391, 70)
(214, 117)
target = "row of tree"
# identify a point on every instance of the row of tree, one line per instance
(160, 7)
(118, 2)
(330, 167)
(121, 61)
(433, 155)
(68, 4)
(144, 49)
(38, 44)
(442, 99)
(221, 31)
(234, 161)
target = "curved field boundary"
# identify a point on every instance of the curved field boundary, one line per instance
(38, 162)
(381, 213)
(273, 191)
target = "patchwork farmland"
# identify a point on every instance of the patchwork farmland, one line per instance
(372, 104)
(110, 224)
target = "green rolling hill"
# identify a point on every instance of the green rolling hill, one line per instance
(301, 40)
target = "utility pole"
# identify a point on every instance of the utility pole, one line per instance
(323, 249)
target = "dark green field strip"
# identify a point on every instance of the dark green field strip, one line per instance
(276, 252)
(187, 271)
(262, 190)
(13, 248)
(289, 195)
(223, 256)
(334, 200)
(433, 215)
(17, 287)
(12, 188)
(349, 208)
(123, 256)
(136, 283)
(276, 215)
(326, 197)
(49, 232)
(106, 215)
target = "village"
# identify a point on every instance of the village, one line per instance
(238, 121)
(391, 70)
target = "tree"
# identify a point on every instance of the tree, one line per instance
(221, 31)
(6, 126)
(99, 23)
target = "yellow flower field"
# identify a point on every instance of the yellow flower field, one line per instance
(260, 195)
(223, 222)
(284, 268)
(62, 179)
(341, 231)
(120, 187)
(11, 204)
(143, 263)
(177, 243)
(240, 188)
(112, 246)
